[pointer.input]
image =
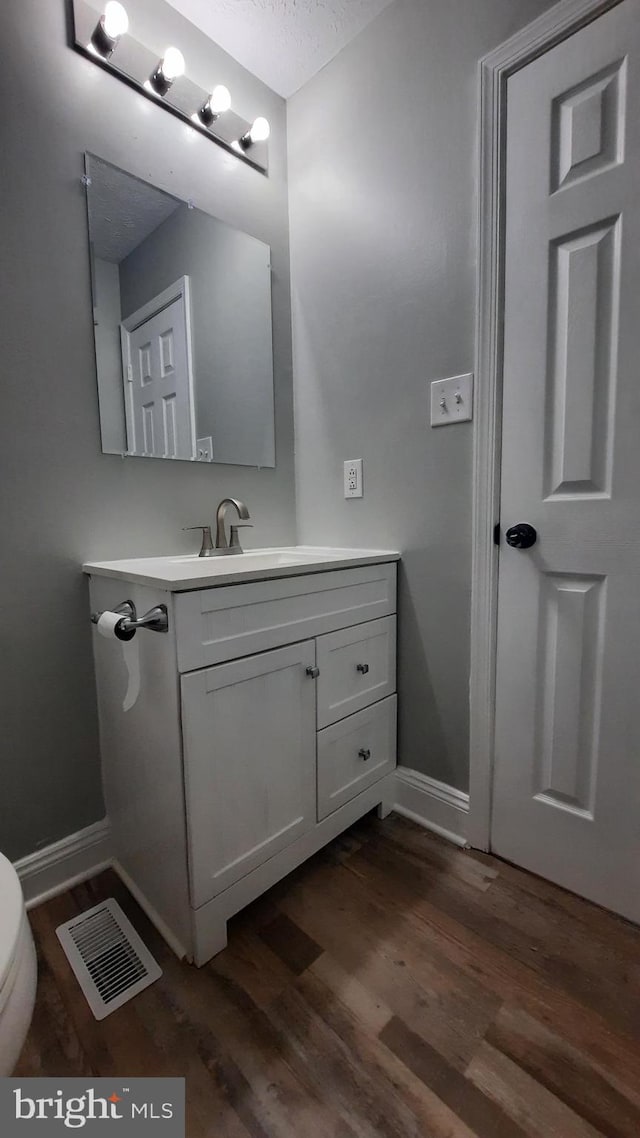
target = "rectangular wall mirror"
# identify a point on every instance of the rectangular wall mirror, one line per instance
(182, 326)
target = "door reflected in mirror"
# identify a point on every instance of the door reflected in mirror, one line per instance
(182, 326)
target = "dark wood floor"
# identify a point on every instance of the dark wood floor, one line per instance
(394, 985)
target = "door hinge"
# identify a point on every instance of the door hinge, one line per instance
(496, 534)
(129, 373)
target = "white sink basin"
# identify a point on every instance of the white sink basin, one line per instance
(192, 572)
(250, 559)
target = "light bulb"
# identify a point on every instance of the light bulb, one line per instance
(220, 100)
(172, 64)
(260, 130)
(116, 21)
(112, 24)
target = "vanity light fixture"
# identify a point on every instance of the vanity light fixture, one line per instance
(170, 67)
(112, 24)
(218, 102)
(259, 132)
(207, 111)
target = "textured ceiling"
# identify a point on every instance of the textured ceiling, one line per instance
(122, 210)
(283, 42)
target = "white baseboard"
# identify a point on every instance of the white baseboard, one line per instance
(432, 804)
(153, 915)
(66, 863)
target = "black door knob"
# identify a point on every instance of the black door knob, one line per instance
(521, 536)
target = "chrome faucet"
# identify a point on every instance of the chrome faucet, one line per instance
(233, 546)
(222, 546)
(206, 549)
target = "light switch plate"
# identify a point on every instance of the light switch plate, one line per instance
(205, 449)
(452, 400)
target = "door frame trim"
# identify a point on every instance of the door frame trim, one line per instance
(555, 25)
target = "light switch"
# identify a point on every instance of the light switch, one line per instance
(205, 449)
(452, 400)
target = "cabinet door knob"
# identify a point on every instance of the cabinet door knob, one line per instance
(313, 672)
(364, 753)
(364, 668)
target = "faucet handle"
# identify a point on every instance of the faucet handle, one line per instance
(234, 542)
(207, 543)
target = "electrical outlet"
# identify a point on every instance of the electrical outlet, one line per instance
(204, 449)
(451, 400)
(353, 478)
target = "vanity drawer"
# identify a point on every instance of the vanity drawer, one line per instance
(213, 625)
(355, 753)
(357, 667)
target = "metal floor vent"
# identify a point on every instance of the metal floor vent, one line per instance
(109, 960)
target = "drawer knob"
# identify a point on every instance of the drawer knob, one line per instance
(364, 668)
(313, 672)
(364, 753)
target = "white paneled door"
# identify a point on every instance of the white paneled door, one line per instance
(567, 774)
(156, 358)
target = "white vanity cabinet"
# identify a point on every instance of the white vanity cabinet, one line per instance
(265, 724)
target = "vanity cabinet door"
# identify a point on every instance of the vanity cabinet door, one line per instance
(249, 763)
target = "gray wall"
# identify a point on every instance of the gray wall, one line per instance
(231, 325)
(382, 207)
(107, 314)
(62, 500)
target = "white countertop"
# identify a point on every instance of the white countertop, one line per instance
(182, 572)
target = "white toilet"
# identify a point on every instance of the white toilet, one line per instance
(18, 968)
